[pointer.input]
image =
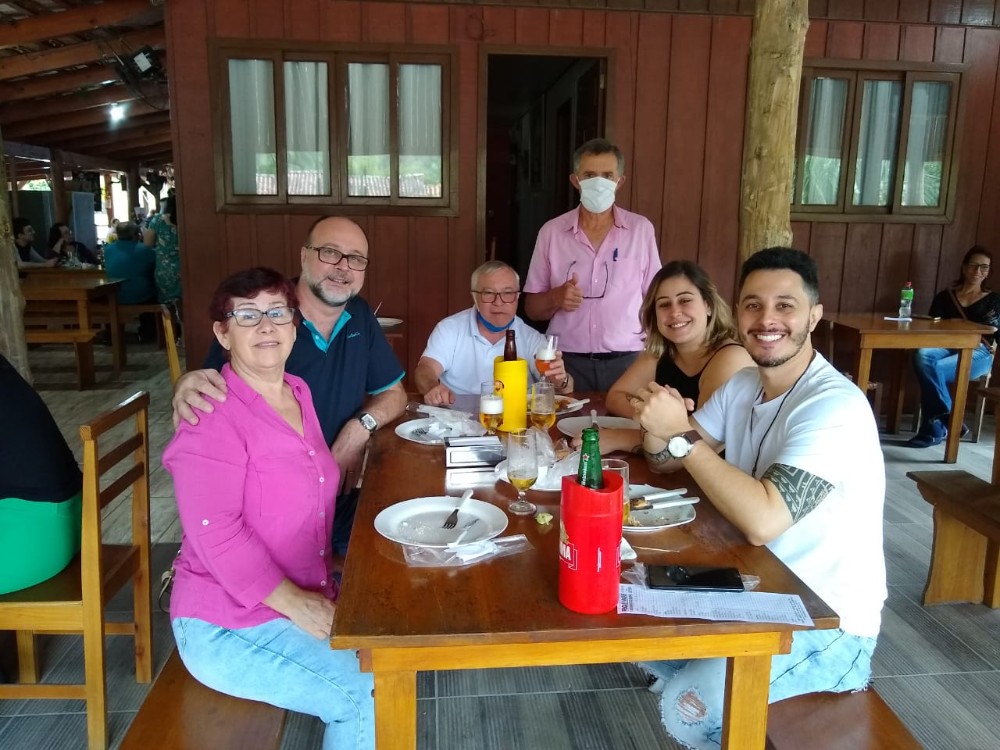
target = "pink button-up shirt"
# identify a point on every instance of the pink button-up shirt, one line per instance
(621, 269)
(256, 506)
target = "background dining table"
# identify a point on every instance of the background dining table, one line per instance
(505, 612)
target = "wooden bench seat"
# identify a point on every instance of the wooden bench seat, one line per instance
(837, 721)
(964, 558)
(182, 714)
(83, 345)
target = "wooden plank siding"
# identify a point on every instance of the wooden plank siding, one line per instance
(676, 99)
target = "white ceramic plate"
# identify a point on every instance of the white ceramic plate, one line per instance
(389, 322)
(544, 483)
(418, 522)
(416, 431)
(573, 426)
(655, 519)
(566, 405)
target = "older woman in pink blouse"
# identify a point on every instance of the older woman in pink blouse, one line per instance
(253, 599)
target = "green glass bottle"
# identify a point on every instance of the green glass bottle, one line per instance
(590, 474)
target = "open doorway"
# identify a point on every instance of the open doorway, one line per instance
(539, 108)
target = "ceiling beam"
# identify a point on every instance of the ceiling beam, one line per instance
(105, 127)
(73, 21)
(31, 129)
(113, 137)
(69, 159)
(55, 106)
(125, 144)
(30, 63)
(136, 151)
(56, 83)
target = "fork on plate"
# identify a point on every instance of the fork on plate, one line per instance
(452, 520)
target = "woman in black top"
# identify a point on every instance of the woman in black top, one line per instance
(967, 298)
(691, 345)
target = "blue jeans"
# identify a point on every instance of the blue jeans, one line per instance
(936, 368)
(821, 661)
(281, 664)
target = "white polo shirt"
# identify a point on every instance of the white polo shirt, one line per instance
(467, 357)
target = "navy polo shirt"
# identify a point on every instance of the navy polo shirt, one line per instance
(355, 363)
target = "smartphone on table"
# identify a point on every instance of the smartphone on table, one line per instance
(693, 578)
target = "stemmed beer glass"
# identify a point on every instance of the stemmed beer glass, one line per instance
(545, 353)
(522, 468)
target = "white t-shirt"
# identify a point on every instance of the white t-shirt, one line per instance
(824, 426)
(467, 357)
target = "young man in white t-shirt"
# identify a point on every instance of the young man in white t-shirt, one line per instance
(803, 474)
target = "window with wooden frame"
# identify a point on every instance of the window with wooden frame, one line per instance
(349, 127)
(876, 142)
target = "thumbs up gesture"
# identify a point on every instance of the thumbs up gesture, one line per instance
(569, 295)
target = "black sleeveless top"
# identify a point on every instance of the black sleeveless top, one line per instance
(668, 373)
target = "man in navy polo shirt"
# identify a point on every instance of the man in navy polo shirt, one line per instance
(340, 351)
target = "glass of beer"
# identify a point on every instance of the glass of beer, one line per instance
(543, 405)
(620, 466)
(545, 353)
(490, 408)
(522, 468)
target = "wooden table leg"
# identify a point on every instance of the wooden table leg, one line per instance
(996, 448)
(897, 390)
(744, 720)
(85, 354)
(958, 408)
(117, 340)
(864, 369)
(396, 710)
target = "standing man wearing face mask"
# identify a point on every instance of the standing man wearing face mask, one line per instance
(590, 270)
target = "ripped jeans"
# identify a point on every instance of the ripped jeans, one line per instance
(820, 661)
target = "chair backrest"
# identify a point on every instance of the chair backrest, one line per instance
(103, 452)
(170, 340)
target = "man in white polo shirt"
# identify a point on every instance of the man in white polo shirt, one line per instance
(462, 347)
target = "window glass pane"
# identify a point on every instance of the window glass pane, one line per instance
(824, 142)
(877, 142)
(420, 131)
(307, 128)
(368, 129)
(925, 143)
(251, 107)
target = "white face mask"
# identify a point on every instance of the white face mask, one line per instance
(597, 194)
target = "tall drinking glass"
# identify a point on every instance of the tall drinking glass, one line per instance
(522, 468)
(490, 408)
(545, 353)
(543, 405)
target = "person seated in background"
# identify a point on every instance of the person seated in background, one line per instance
(40, 488)
(252, 604)
(969, 299)
(68, 252)
(462, 347)
(128, 259)
(691, 345)
(26, 255)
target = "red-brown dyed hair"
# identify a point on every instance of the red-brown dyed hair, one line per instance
(249, 284)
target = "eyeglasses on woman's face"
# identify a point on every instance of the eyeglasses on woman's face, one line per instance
(983, 267)
(249, 317)
(332, 256)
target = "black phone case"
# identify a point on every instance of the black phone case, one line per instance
(693, 578)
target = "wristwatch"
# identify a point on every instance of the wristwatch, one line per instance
(681, 445)
(368, 421)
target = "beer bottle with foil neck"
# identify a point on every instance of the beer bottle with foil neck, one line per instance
(590, 474)
(510, 347)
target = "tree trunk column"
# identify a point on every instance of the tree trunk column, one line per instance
(776, 48)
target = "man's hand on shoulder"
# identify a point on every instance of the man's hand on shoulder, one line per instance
(194, 391)
(439, 395)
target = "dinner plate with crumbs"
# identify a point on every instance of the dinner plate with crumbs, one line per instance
(390, 322)
(418, 522)
(655, 519)
(573, 426)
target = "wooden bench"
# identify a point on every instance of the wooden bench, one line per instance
(964, 558)
(182, 714)
(837, 721)
(83, 345)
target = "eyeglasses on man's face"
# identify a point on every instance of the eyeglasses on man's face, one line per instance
(489, 296)
(249, 317)
(984, 267)
(333, 256)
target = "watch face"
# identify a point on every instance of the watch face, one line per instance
(368, 421)
(678, 446)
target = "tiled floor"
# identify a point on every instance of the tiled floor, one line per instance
(939, 667)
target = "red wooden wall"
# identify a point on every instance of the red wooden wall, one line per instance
(676, 106)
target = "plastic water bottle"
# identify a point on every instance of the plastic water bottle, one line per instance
(906, 301)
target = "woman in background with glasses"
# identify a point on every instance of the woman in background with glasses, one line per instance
(253, 599)
(966, 298)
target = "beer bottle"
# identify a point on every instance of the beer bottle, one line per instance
(510, 347)
(590, 474)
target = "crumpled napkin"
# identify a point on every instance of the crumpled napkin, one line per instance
(451, 422)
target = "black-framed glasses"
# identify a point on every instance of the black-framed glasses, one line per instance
(248, 317)
(488, 296)
(607, 278)
(984, 267)
(333, 256)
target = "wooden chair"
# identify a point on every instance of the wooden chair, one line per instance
(73, 601)
(173, 361)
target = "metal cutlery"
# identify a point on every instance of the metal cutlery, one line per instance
(646, 501)
(452, 520)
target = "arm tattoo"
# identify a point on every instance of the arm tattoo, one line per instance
(800, 490)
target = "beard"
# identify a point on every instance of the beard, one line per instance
(797, 339)
(326, 296)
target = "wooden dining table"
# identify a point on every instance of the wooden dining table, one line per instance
(79, 294)
(872, 331)
(506, 613)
